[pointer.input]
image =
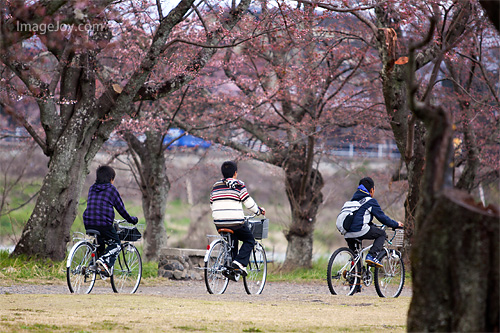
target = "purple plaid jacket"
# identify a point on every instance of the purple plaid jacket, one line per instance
(101, 200)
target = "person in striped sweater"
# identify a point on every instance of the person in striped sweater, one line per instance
(226, 199)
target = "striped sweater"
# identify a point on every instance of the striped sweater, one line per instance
(226, 201)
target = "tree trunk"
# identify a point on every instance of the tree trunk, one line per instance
(154, 185)
(455, 270)
(47, 231)
(415, 166)
(305, 199)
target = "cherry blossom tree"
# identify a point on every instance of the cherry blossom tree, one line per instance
(392, 24)
(277, 99)
(68, 59)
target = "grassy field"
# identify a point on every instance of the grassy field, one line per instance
(185, 313)
(214, 313)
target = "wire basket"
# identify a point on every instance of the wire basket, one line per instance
(398, 239)
(130, 232)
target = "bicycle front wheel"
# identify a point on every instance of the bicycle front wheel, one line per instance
(215, 281)
(257, 271)
(343, 274)
(127, 271)
(79, 275)
(390, 279)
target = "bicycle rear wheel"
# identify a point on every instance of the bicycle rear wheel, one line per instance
(80, 277)
(257, 271)
(127, 271)
(214, 266)
(343, 275)
(390, 279)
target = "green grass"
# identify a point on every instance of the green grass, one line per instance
(20, 269)
(316, 273)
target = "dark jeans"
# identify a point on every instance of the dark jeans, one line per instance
(108, 236)
(375, 233)
(243, 234)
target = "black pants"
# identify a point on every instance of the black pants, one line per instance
(375, 233)
(108, 236)
(243, 234)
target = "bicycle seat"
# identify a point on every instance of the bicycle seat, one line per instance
(92, 232)
(220, 231)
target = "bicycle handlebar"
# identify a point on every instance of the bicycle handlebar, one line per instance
(383, 227)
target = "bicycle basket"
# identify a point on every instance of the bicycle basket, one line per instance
(130, 234)
(259, 228)
(398, 238)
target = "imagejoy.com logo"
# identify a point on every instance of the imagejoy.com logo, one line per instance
(43, 28)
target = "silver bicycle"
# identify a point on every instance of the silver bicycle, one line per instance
(81, 269)
(218, 260)
(347, 270)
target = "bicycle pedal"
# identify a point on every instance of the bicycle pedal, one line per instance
(229, 273)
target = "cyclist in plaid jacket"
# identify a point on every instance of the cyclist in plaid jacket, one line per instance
(103, 198)
(226, 199)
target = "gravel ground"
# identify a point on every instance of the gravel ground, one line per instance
(197, 290)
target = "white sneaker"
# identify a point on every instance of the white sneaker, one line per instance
(102, 265)
(239, 269)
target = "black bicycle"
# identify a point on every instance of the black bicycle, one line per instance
(82, 271)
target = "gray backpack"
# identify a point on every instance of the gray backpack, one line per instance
(346, 216)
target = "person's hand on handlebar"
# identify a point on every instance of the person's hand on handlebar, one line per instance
(135, 220)
(262, 211)
(400, 224)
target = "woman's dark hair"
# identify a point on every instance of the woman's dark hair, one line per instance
(367, 182)
(228, 169)
(105, 174)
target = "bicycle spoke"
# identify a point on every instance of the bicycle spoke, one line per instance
(79, 277)
(343, 272)
(257, 271)
(389, 279)
(127, 271)
(215, 281)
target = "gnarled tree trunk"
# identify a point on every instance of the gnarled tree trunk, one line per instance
(154, 185)
(47, 231)
(304, 194)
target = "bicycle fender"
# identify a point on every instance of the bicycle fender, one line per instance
(70, 254)
(205, 259)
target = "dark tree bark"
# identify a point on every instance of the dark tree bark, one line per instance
(154, 185)
(467, 180)
(455, 267)
(492, 9)
(304, 194)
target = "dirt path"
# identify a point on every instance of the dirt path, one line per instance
(197, 289)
